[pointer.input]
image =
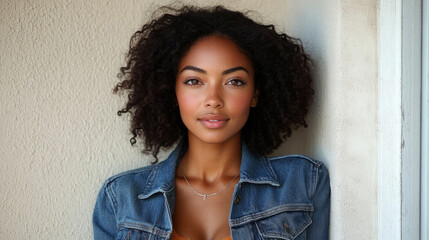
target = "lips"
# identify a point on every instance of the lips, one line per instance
(213, 121)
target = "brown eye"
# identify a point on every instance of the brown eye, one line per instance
(192, 81)
(235, 82)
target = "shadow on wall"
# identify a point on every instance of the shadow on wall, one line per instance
(316, 27)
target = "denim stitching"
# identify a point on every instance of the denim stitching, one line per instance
(315, 181)
(142, 227)
(151, 179)
(271, 212)
(269, 169)
(312, 187)
(315, 162)
(168, 206)
(293, 236)
(259, 181)
(112, 198)
(273, 234)
(309, 221)
(134, 171)
(259, 230)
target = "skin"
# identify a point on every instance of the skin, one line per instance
(215, 91)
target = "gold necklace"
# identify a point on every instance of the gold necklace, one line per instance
(205, 196)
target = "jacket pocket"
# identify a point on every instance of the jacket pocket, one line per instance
(134, 234)
(136, 231)
(289, 224)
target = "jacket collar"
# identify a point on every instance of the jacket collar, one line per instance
(255, 169)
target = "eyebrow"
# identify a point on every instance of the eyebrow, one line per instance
(228, 71)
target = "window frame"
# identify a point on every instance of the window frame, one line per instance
(402, 145)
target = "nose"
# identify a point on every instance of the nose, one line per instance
(214, 97)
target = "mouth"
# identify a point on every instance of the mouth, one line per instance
(213, 121)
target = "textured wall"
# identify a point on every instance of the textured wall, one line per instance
(61, 138)
(342, 38)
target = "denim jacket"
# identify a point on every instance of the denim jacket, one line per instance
(284, 197)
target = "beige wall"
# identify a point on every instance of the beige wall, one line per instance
(61, 138)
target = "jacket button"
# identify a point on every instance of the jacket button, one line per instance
(237, 200)
(287, 228)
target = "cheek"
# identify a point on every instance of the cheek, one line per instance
(187, 103)
(241, 104)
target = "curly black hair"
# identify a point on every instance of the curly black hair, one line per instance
(282, 76)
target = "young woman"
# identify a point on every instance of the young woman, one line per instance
(227, 91)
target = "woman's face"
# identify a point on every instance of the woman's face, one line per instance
(215, 89)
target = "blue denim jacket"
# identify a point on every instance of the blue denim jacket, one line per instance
(284, 197)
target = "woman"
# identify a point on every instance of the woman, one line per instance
(227, 90)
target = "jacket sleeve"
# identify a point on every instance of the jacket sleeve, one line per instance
(319, 229)
(104, 216)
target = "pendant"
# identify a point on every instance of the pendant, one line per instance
(204, 196)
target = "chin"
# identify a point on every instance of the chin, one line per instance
(215, 138)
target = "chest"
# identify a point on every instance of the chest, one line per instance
(199, 218)
(240, 214)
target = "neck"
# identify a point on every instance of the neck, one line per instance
(211, 161)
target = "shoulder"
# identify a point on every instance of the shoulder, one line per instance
(136, 176)
(157, 177)
(300, 158)
(124, 187)
(301, 171)
(296, 161)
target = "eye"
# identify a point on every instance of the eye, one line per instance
(236, 82)
(193, 81)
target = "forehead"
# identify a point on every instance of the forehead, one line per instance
(215, 53)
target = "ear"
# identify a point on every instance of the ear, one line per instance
(255, 98)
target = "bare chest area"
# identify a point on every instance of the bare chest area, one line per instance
(196, 218)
